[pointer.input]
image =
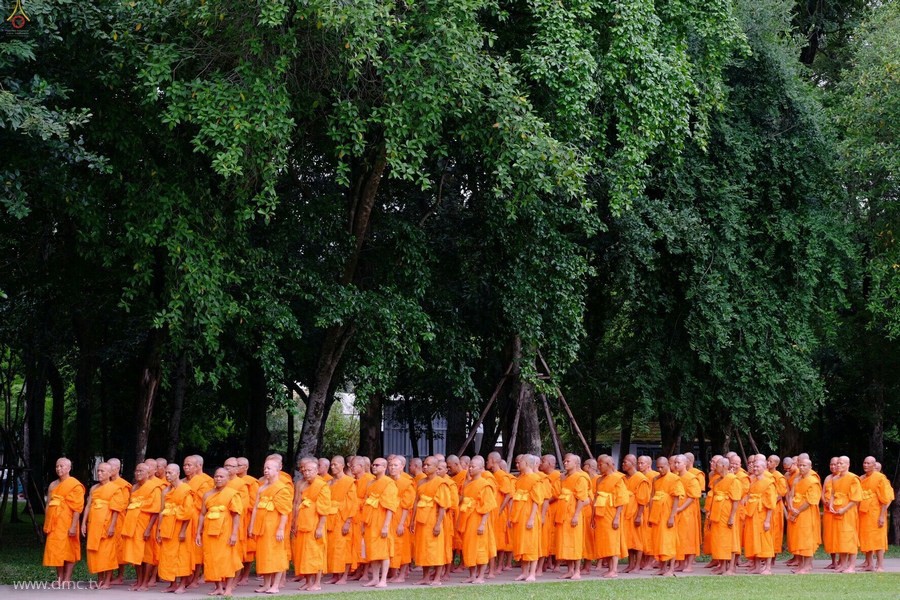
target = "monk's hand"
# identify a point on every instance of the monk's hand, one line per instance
(182, 536)
(529, 524)
(400, 530)
(766, 525)
(615, 523)
(73, 531)
(232, 540)
(574, 522)
(158, 537)
(437, 530)
(384, 531)
(670, 523)
(637, 521)
(730, 523)
(198, 540)
(84, 529)
(111, 531)
(279, 534)
(480, 530)
(319, 533)
(881, 521)
(346, 528)
(147, 534)
(412, 526)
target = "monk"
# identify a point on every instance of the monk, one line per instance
(804, 516)
(249, 544)
(140, 517)
(106, 503)
(381, 502)
(115, 466)
(828, 537)
(174, 535)
(638, 498)
(475, 523)
(844, 506)
(200, 483)
(340, 521)
(723, 500)
(325, 469)
(240, 484)
(156, 479)
(415, 470)
(552, 479)
(450, 517)
(645, 466)
(312, 503)
(360, 469)
(459, 476)
(668, 492)
(687, 516)
(268, 523)
(711, 481)
(433, 500)
(610, 502)
(217, 534)
(877, 494)
(762, 500)
(524, 515)
(574, 496)
(791, 474)
(406, 496)
(781, 488)
(65, 503)
(505, 485)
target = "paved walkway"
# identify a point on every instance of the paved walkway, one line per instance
(892, 565)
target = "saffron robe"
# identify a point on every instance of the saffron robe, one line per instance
(611, 492)
(274, 502)
(430, 549)
(338, 548)
(199, 484)
(803, 533)
(406, 496)
(506, 485)
(220, 559)
(724, 541)
(638, 495)
(381, 497)
(667, 489)
(478, 499)
(145, 501)
(64, 502)
(688, 521)
(574, 488)
(762, 497)
(529, 492)
(845, 527)
(175, 554)
(309, 553)
(876, 493)
(252, 494)
(102, 550)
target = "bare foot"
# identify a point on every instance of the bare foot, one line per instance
(272, 590)
(317, 588)
(529, 579)
(610, 575)
(478, 580)
(370, 583)
(520, 577)
(383, 584)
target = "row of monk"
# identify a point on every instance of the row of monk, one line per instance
(375, 518)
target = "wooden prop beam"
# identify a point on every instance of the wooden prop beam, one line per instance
(562, 400)
(553, 433)
(515, 428)
(484, 412)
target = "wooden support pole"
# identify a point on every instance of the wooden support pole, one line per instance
(741, 445)
(515, 428)
(752, 442)
(484, 412)
(553, 433)
(562, 400)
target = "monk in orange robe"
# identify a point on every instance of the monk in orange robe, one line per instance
(828, 516)
(156, 479)
(200, 483)
(549, 534)
(434, 499)
(249, 542)
(804, 516)
(458, 475)
(406, 495)
(762, 499)
(844, 507)
(687, 516)
(610, 501)
(524, 516)
(217, 533)
(240, 485)
(115, 466)
(140, 521)
(450, 517)
(590, 555)
(568, 511)
(174, 535)
(877, 494)
(668, 492)
(312, 503)
(711, 481)
(381, 502)
(415, 470)
(325, 469)
(106, 503)
(475, 524)
(781, 488)
(268, 523)
(360, 468)
(65, 503)
(638, 498)
(645, 466)
(504, 490)
(723, 501)
(340, 522)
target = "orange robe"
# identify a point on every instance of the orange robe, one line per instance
(221, 560)
(151, 547)
(526, 543)
(199, 484)
(450, 517)
(553, 484)
(611, 493)
(574, 488)
(361, 485)
(478, 499)
(65, 500)
(828, 516)
(876, 492)
(252, 493)
(459, 480)
(145, 501)
(240, 485)
(646, 530)
(723, 540)
(286, 479)
(406, 495)
(781, 488)
(273, 503)
(762, 497)
(338, 548)
(381, 497)
(847, 488)
(120, 482)
(803, 533)
(309, 553)
(430, 550)
(175, 554)
(505, 486)
(713, 478)
(667, 490)
(638, 495)
(688, 521)
(106, 499)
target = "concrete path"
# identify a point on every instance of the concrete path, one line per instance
(84, 588)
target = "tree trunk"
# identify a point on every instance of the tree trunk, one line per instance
(791, 439)
(522, 394)
(370, 428)
(456, 427)
(411, 428)
(876, 436)
(257, 412)
(85, 368)
(177, 407)
(670, 432)
(626, 431)
(148, 386)
(57, 417)
(33, 439)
